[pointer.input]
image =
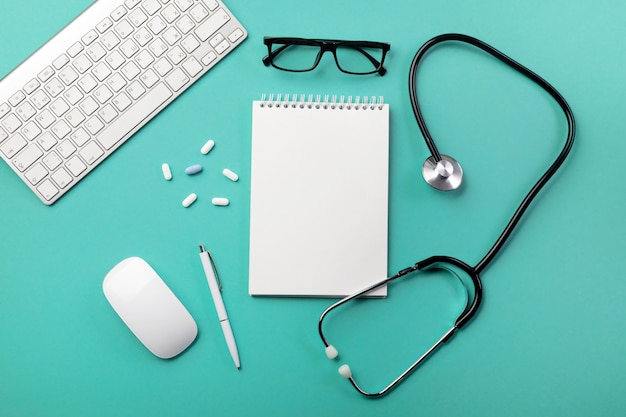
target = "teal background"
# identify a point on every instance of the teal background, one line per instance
(549, 337)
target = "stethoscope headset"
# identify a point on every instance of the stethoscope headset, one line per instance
(444, 173)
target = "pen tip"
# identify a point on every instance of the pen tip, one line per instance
(201, 248)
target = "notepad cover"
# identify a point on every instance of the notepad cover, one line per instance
(319, 200)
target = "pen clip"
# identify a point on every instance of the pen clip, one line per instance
(217, 274)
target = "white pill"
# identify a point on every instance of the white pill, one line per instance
(230, 175)
(167, 172)
(219, 201)
(191, 198)
(207, 147)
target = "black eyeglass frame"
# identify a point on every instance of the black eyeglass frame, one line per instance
(326, 45)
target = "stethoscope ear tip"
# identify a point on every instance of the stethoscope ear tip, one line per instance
(444, 175)
(331, 352)
(344, 371)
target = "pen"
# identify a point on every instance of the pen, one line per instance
(212, 277)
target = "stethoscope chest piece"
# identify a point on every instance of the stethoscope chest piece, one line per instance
(444, 175)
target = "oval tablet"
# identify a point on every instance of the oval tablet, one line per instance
(194, 169)
(220, 201)
(167, 172)
(207, 147)
(230, 175)
(191, 198)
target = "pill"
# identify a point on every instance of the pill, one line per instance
(194, 169)
(219, 201)
(191, 198)
(207, 147)
(167, 172)
(230, 175)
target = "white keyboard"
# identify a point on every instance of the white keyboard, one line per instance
(94, 84)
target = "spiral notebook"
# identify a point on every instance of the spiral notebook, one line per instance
(319, 196)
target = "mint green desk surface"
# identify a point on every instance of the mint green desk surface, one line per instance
(549, 338)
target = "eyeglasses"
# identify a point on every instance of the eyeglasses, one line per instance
(351, 57)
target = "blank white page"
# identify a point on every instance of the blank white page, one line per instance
(319, 199)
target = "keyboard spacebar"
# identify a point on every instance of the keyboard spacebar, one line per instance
(134, 116)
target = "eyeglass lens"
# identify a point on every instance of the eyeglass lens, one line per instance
(354, 59)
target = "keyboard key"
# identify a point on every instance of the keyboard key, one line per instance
(40, 99)
(163, 66)
(176, 55)
(137, 17)
(45, 119)
(87, 83)
(142, 36)
(101, 71)
(171, 35)
(89, 37)
(61, 129)
(183, 4)
(47, 141)
(122, 101)
(4, 110)
(11, 123)
(190, 43)
(66, 148)
(73, 95)
(89, 106)
(59, 107)
(212, 24)
(124, 29)
(80, 137)
(177, 79)
(107, 113)
(185, 24)
(115, 60)
(157, 25)
(192, 66)
(211, 4)
(208, 58)
(45, 74)
(104, 25)
(116, 82)
(94, 125)
(17, 98)
(68, 75)
(118, 13)
(75, 117)
(222, 47)
(151, 6)
(110, 40)
(235, 36)
(54, 87)
(3, 135)
(131, 119)
(91, 153)
(31, 130)
(26, 111)
(61, 61)
(96, 52)
(52, 160)
(129, 48)
(36, 173)
(131, 3)
(27, 157)
(75, 49)
(158, 47)
(76, 166)
(199, 13)
(62, 178)
(13, 146)
(47, 190)
(149, 78)
(103, 94)
(31, 86)
(130, 70)
(135, 90)
(144, 59)
(170, 13)
(216, 40)
(82, 64)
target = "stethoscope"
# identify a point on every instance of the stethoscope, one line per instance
(444, 173)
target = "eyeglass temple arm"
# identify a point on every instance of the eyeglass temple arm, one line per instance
(267, 60)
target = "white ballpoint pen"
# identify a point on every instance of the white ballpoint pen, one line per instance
(213, 277)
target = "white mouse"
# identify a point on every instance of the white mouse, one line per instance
(149, 308)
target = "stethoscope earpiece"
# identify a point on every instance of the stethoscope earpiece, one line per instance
(444, 175)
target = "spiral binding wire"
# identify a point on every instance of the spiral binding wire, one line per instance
(327, 102)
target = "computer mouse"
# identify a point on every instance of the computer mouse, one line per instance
(149, 308)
